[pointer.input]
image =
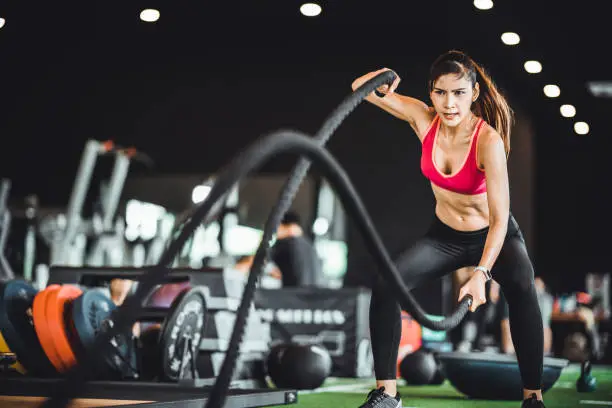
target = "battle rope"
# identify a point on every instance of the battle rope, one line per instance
(247, 161)
(286, 197)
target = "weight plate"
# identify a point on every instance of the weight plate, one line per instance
(57, 303)
(91, 314)
(41, 325)
(181, 334)
(17, 330)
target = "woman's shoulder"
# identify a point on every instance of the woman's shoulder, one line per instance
(488, 134)
(489, 142)
(426, 123)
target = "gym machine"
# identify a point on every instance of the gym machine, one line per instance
(67, 233)
(6, 272)
(108, 247)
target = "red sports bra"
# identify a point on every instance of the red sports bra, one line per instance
(469, 179)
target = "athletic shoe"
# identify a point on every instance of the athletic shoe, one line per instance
(378, 399)
(532, 402)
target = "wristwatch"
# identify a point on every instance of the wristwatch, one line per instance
(486, 272)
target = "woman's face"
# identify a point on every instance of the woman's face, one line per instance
(452, 97)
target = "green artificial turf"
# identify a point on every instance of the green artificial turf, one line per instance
(350, 393)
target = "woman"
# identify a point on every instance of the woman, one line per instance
(465, 140)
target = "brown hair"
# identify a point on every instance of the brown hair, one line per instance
(491, 105)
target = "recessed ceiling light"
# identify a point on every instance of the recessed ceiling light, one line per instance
(510, 38)
(149, 15)
(581, 128)
(568, 111)
(483, 4)
(533, 67)
(310, 9)
(552, 91)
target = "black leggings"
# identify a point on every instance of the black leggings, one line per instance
(443, 250)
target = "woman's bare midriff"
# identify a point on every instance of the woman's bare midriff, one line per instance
(461, 212)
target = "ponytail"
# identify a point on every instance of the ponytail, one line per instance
(491, 105)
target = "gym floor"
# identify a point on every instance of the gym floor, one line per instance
(350, 393)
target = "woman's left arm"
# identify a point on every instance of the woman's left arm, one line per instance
(498, 195)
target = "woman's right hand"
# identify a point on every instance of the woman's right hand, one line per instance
(386, 89)
(406, 108)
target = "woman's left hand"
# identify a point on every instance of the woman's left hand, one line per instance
(475, 287)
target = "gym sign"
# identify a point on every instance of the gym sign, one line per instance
(302, 316)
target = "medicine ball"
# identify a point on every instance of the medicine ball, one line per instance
(419, 367)
(303, 367)
(438, 378)
(273, 364)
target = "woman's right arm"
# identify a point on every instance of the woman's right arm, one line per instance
(412, 110)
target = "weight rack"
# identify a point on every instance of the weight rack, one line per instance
(30, 391)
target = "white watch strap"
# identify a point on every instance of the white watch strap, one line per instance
(486, 272)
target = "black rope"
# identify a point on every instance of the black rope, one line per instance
(286, 197)
(246, 162)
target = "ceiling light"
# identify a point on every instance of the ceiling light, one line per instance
(483, 4)
(533, 67)
(568, 111)
(581, 128)
(552, 91)
(310, 9)
(149, 15)
(510, 38)
(2, 22)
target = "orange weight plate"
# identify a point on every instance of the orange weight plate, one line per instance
(45, 336)
(57, 301)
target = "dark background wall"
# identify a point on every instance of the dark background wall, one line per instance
(192, 91)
